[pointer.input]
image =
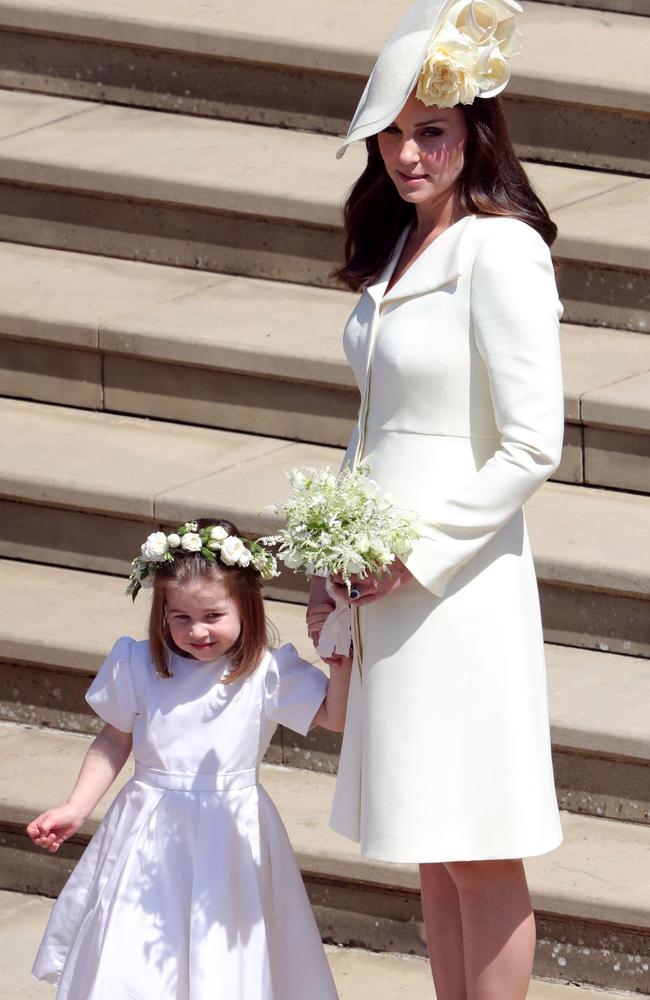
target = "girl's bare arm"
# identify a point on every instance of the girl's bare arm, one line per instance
(104, 760)
(331, 714)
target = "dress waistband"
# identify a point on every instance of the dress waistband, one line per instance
(202, 782)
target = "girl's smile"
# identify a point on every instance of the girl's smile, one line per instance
(203, 618)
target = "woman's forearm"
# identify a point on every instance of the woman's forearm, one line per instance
(104, 760)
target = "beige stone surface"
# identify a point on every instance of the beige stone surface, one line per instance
(110, 463)
(581, 535)
(594, 874)
(22, 112)
(285, 175)
(552, 65)
(618, 460)
(64, 297)
(625, 403)
(597, 362)
(599, 701)
(243, 324)
(608, 229)
(358, 974)
(243, 494)
(38, 371)
(218, 165)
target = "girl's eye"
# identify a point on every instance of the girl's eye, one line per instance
(213, 615)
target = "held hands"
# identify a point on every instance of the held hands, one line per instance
(371, 588)
(52, 828)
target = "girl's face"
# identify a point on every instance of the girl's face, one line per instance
(423, 151)
(204, 621)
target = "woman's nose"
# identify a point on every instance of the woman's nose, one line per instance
(409, 152)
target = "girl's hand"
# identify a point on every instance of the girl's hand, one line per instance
(371, 588)
(318, 611)
(51, 828)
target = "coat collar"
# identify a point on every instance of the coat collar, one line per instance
(439, 264)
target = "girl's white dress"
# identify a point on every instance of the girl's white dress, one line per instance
(189, 889)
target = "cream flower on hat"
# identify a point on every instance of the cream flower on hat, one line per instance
(449, 76)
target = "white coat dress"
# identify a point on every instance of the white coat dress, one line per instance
(189, 889)
(446, 753)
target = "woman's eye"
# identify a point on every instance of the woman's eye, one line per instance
(391, 130)
(432, 133)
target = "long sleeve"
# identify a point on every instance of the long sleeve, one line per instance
(515, 321)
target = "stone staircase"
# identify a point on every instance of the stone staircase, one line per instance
(170, 210)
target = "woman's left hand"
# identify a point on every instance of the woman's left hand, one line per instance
(371, 588)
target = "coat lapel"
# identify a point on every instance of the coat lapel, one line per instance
(436, 266)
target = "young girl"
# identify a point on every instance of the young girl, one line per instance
(189, 888)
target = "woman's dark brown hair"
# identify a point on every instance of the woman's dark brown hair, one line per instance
(243, 586)
(493, 182)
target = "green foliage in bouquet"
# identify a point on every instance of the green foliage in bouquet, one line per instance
(340, 524)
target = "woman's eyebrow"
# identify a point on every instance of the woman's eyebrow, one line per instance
(429, 121)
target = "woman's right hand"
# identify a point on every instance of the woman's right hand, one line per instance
(52, 828)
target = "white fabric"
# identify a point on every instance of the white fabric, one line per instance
(446, 752)
(189, 889)
(336, 634)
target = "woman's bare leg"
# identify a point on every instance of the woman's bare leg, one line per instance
(498, 928)
(442, 919)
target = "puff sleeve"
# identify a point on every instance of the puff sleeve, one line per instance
(294, 689)
(515, 315)
(112, 694)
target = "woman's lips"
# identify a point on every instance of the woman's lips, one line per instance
(412, 178)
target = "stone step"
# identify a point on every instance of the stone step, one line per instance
(186, 191)
(593, 914)
(56, 626)
(279, 67)
(108, 478)
(358, 974)
(224, 351)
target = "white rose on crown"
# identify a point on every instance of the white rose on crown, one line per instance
(218, 534)
(155, 548)
(191, 542)
(174, 540)
(233, 551)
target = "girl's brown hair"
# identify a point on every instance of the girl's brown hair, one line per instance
(244, 587)
(493, 182)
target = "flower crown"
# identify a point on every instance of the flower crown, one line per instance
(468, 56)
(213, 543)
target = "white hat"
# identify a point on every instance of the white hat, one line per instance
(453, 50)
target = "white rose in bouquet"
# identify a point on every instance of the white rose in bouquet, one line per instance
(155, 548)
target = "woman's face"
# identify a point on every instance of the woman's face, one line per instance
(423, 151)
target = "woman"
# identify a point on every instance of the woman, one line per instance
(446, 757)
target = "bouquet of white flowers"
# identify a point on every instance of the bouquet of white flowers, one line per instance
(340, 525)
